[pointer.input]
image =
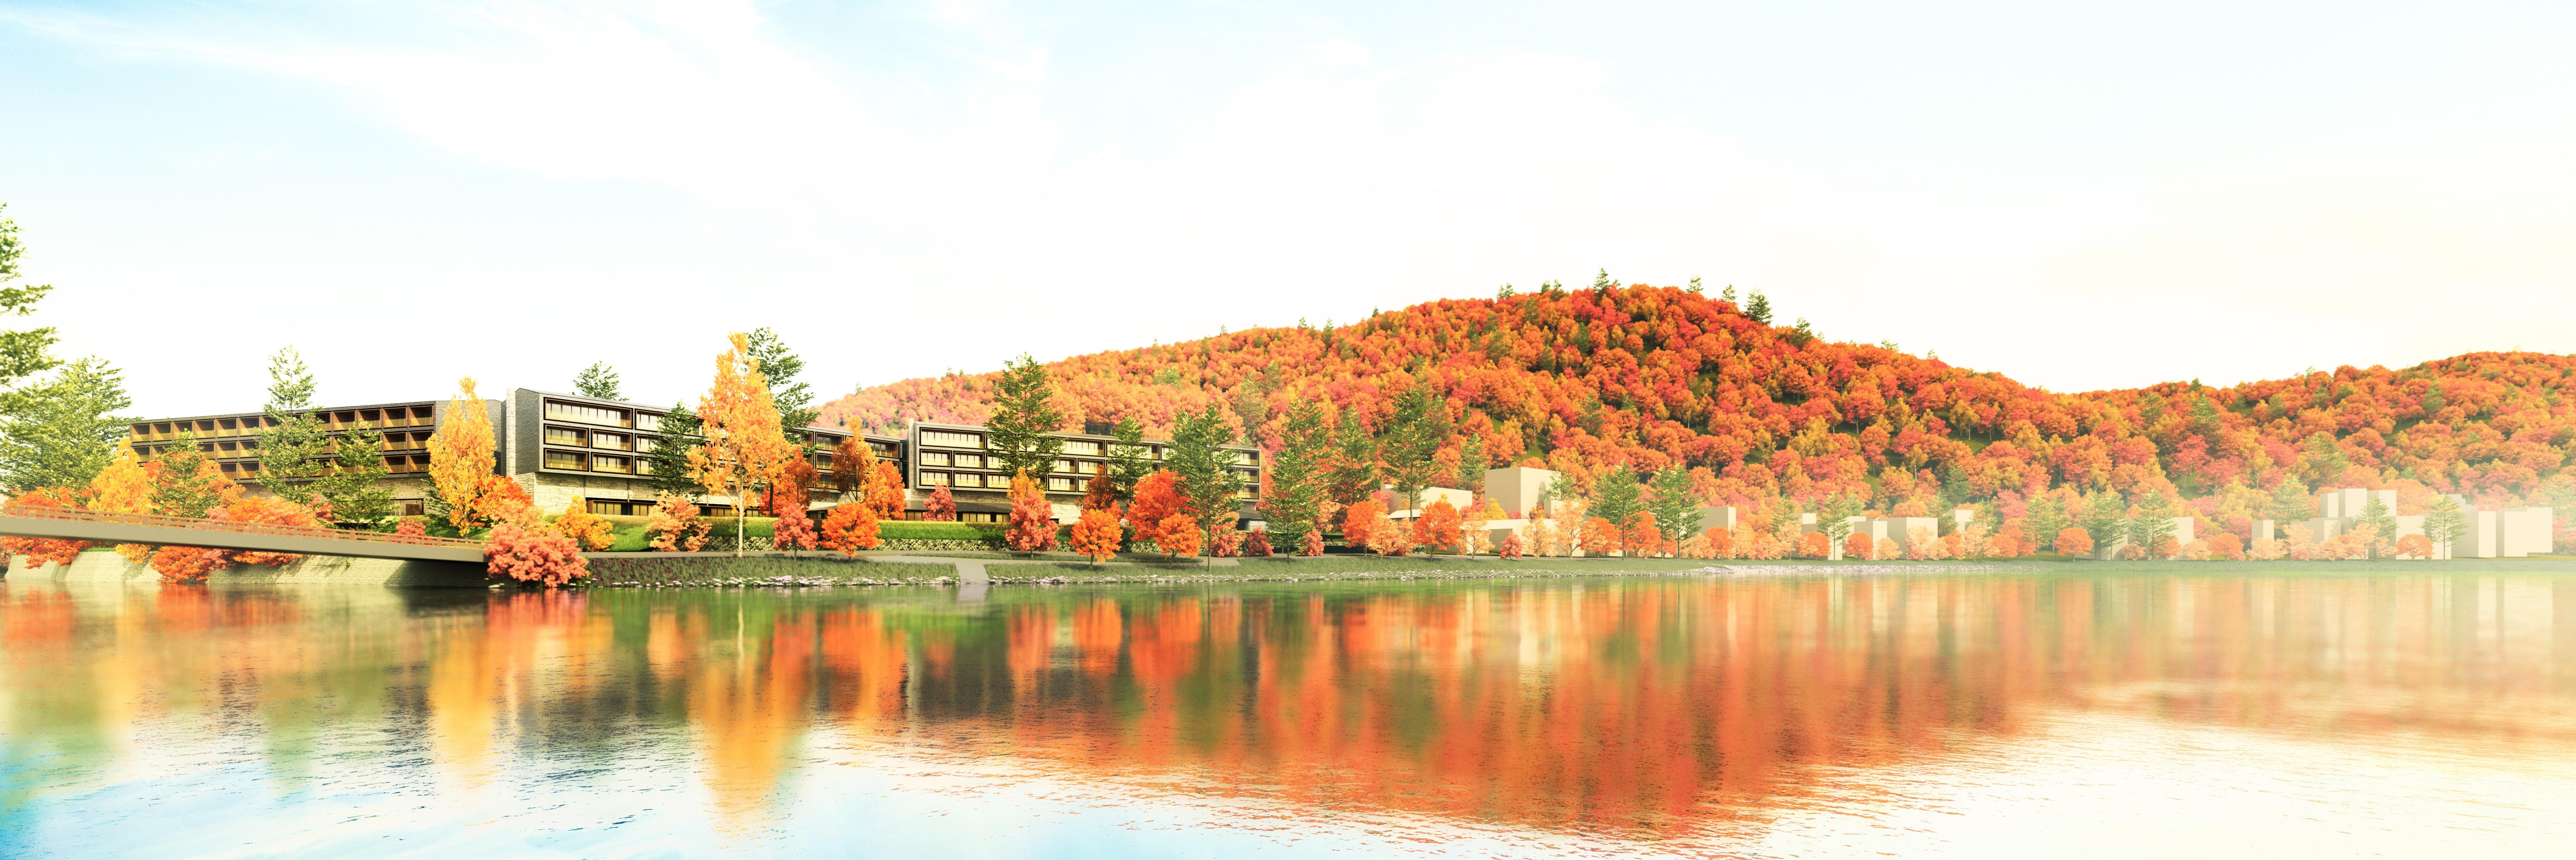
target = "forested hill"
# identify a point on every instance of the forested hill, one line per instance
(1588, 379)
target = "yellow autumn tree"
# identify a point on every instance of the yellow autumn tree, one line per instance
(460, 460)
(124, 487)
(745, 445)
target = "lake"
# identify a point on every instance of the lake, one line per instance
(1998, 714)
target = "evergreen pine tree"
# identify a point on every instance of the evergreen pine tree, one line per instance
(1412, 442)
(1297, 471)
(2043, 519)
(668, 461)
(1129, 460)
(2444, 525)
(63, 432)
(2291, 503)
(1471, 464)
(1024, 417)
(1759, 308)
(1203, 466)
(2105, 518)
(293, 450)
(1615, 497)
(1354, 473)
(1675, 505)
(182, 486)
(1694, 287)
(2154, 523)
(598, 380)
(1835, 519)
(779, 366)
(2375, 513)
(22, 353)
(357, 491)
(1727, 295)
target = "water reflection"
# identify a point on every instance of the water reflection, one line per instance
(1680, 715)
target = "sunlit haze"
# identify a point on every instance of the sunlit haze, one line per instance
(414, 192)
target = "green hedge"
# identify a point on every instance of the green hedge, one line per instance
(917, 530)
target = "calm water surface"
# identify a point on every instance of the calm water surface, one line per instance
(2107, 715)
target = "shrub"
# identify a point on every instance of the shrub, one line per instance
(1227, 544)
(1257, 542)
(942, 506)
(1510, 548)
(411, 527)
(1313, 544)
(2074, 541)
(533, 555)
(794, 531)
(918, 530)
(1032, 526)
(585, 528)
(676, 526)
(850, 527)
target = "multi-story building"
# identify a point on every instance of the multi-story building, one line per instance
(566, 447)
(232, 440)
(563, 447)
(955, 456)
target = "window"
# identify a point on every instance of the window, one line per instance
(934, 458)
(969, 479)
(884, 450)
(1243, 458)
(605, 463)
(979, 517)
(951, 440)
(647, 443)
(1059, 485)
(614, 441)
(1082, 447)
(643, 466)
(647, 421)
(413, 507)
(587, 414)
(1065, 466)
(562, 460)
(564, 436)
(970, 461)
(934, 479)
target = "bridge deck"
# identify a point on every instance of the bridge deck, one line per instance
(73, 524)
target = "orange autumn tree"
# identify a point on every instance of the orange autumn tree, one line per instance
(1438, 526)
(1096, 536)
(124, 487)
(1032, 527)
(885, 492)
(1362, 521)
(461, 465)
(589, 530)
(1178, 535)
(850, 527)
(744, 446)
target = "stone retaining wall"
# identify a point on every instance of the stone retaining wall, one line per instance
(108, 567)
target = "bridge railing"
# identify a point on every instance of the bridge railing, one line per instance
(51, 512)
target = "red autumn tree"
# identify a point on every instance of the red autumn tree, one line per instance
(411, 527)
(1032, 527)
(850, 527)
(1158, 498)
(1178, 536)
(41, 550)
(1642, 537)
(1313, 544)
(676, 526)
(1102, 494)
(1814, 545)
(1600, 536)
(2232, 548)
(1858, 546)
(1097, 535)
(533, 556)
(795, 531)
(1256, 543)
(942, 507)
(1510, 548)
(1438, 526)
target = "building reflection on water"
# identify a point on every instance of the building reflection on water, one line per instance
(1646, 707)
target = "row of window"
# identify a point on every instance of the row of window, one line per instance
(398, 464)
(599, 439)
(970, 480)
(585, 413)
(607, 463)
(248, 425)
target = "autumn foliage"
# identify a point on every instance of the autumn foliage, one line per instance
(587, 529)
(1765, 418)
(1097, 535)
(850, 527)
(1178, 536)
(1032, 527)
(533, 556)
(676, 526)
(1438, 526)
(942, 506)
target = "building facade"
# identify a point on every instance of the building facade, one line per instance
(566, 448)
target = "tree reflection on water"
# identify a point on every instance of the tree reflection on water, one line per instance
(1630, 708)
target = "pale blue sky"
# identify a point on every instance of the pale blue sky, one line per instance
(2079, 198)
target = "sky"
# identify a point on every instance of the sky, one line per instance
(2080, 198)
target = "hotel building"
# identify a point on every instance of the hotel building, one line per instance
(563, 447)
